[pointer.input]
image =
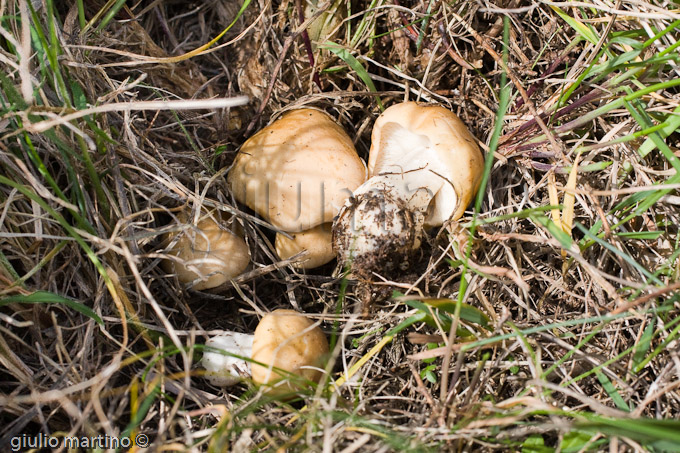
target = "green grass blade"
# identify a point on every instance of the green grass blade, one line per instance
(618, 252)
(110, 14)
(581, 28)
(355, 65)
(611, 391)
(663, 435)
(557, 232)
(641, 117)
(62, 221)
(45, 297)
(664, 129)
(661, 348)
(643, 346)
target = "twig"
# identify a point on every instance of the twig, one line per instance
(193, 104)
(449, 48)
(539, 83)
(532, 123)
(421, 386)
(642, 299)
(308, 44)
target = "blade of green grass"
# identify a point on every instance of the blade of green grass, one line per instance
(19, 281)
(504, 98)
(110, 14)
(8, 267)
(557, 325)
(672, 27)
(45, 297)
(141, 412)
(612, 392)
(65, 225)
(556, 231)
(637, 111)
(423, 29)
(664, 129)
(618, 252)
(355, 65)
(643, 346)
(659, 434)
(523, 214)
(642, 235)
(582, 29)
(364, 23)
(671, 336)
(51, 49)
(630, 349)
(573, 351)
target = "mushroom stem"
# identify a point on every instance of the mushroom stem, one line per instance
(225, 369)
(383, 221)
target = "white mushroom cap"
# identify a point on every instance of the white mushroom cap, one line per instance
(410, 136)
(287, 340)
(298, 171)
(316, 241)
(207, 254)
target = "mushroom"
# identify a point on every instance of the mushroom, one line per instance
(297, 173)
(206, 254)
(424, 168)
(316, 241)
(285, 345)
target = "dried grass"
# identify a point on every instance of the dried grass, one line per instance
(63, 372)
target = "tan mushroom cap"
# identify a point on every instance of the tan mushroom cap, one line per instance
(207, 253)
(298, 171)
(287, 340)
(316, 241)
(456, 148)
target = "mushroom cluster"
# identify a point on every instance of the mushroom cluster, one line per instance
(303, 175)
(424, 169)
(297, 173)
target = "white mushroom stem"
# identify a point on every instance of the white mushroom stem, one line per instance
(223, 368)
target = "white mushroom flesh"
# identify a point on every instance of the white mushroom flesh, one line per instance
(223, 369)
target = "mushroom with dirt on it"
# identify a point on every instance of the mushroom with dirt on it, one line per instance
(208, 253)
(297, 173)
(424, 169)
(285, 353)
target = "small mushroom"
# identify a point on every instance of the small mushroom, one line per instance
(207, 254)
(424, 168)
(297, 173)
(285, 343)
